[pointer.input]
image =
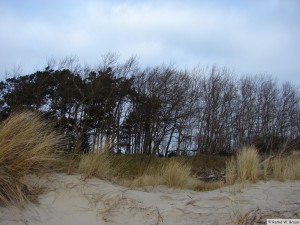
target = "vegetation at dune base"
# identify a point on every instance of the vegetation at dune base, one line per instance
(28, 145)
(145, 171)
(185, 172)
(243, 167)
(248, 165)
(283, 168)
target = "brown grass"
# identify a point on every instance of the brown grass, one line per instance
(247, 164)
(209, 186)
(237, 217)
(143, 170)
(95, 165)
(145, 180)
(285, 168)
(174, 174)
(138, 170)
(231, 171)
(244, 167)
(178, 174)
(28, 146)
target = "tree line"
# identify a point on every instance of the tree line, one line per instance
(160, 109)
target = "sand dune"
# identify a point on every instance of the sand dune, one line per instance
(70, 200)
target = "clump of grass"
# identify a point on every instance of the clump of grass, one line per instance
(138, 170)
(244, 167)
(231, 171)
(278, 167)
(236, 216)
(142, 170)
(28, 145)
(285, 168)
(247, 164)
(178, 174)
(266, 169)
(96, 165)
(209, 186)
(173, 174)
(131, 166)
(146, 180)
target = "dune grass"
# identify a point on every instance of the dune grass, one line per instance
(230, 171)
(285, 168)
(247, 164)
(95, 165)
(175, 174)
(28, 145)
(282, 167)
(138, 171)
(244, 167)
(178, 174)
(144, 181)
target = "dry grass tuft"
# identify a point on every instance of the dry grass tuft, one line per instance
(231, 171)
(209, 186)
(264, 169)
(285, 168)
(172, 174)
(247, 164)
(178, 174)
(96, 165)
(237, 217)
(146, 180)
(28, 146)
(137, 171)
(244, 167)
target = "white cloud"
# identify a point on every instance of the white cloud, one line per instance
(257, 37)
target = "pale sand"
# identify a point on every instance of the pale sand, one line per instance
(70, 200)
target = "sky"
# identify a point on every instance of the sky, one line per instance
(248, 37)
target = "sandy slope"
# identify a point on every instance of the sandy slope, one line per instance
(71, 200)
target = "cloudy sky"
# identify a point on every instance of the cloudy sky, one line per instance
(248, 37)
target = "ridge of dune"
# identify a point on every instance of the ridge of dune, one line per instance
(71, 200)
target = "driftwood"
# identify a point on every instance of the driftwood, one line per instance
(266, 160)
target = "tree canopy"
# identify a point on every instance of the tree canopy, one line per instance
(160, 109)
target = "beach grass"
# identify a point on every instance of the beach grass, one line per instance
(243, 167)
(28, 145)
